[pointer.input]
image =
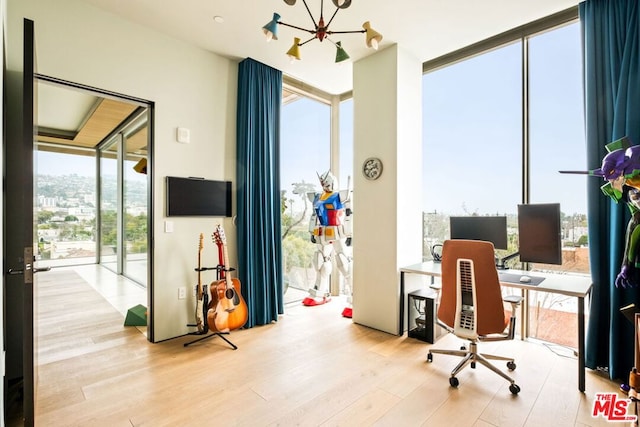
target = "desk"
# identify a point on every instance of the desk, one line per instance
(564, 284)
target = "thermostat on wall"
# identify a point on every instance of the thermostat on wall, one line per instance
(183, 135)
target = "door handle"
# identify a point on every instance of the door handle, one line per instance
(28, 268)
(15, 271)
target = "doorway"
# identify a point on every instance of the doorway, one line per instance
(93, 189)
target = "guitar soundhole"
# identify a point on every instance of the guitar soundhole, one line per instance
(230, 294)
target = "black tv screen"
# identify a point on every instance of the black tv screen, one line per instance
(488, 228)
(540, 233)
(198, 197)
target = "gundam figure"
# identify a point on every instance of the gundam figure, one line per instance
(330, 228)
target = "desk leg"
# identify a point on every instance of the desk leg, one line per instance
(401, 310)
(524, 314)
(581, 368)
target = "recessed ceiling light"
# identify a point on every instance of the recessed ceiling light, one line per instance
(219, 19)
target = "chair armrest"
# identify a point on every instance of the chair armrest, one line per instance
(513, 299)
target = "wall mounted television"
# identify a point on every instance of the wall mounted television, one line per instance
(539, 233)
(198, 197)
(489, 228)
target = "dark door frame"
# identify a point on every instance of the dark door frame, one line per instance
(18, 267)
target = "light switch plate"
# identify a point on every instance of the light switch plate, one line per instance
(183, 135)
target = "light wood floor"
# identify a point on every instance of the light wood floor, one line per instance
(311, 368)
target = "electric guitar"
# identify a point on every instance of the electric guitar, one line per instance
(230, 311)
(202, 296)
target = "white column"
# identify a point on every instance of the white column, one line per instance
(387, 94)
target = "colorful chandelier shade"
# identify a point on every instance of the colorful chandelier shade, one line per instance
(321, 30)
(341, 54)
(271, 29)
(294, 51)
(372, 36)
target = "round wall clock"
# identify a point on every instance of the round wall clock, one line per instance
(372, 168)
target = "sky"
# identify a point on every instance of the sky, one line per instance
(48, 163)
(473, 129)
(304, 139)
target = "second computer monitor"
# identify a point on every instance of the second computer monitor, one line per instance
(539, 233)
(488, 228)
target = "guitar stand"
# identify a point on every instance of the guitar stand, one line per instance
(211, 335)
(218, 269)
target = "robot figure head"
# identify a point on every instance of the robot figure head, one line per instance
(328, 181)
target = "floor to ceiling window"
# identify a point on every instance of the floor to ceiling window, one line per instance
(346, 178)
(346, 143)
(557, 142)
(134, 201)
(472, 140)
(499, 125)
(305, 152)
(108, 198)
(123, 200)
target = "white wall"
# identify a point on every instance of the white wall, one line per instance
(190, 87)
(196, 89)
(388, 231)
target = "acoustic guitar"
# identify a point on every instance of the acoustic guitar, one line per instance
(202, 296)
(230, 310)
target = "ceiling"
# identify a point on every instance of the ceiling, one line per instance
(427, 29)
(72, 118)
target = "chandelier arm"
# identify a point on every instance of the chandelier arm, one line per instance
(297, 28)
(307, 41)
(310, 14)
(346, 32)
(332, 16)
(331, 41)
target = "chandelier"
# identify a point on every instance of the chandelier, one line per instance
(320, 30)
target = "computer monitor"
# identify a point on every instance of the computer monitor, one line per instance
(540, 233)
(489, 228)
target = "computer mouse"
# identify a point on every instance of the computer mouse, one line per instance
(525, 279)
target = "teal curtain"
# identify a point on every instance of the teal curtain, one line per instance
(611, 37)
(258, 191)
